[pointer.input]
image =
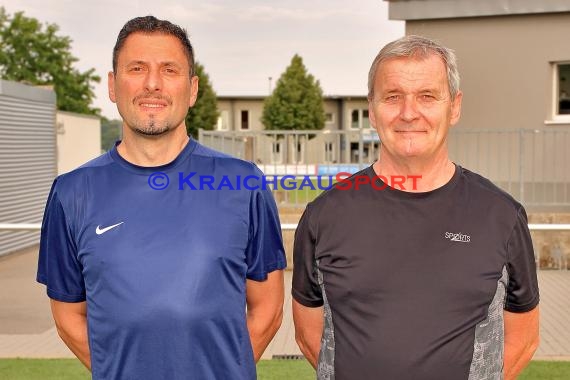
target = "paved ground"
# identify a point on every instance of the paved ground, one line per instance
(26, 327)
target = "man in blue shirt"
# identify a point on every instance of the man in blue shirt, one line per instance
(148, 277)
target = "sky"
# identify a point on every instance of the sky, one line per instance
(241, 43)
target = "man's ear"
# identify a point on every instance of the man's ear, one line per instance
(371, 115)
(193, 90)
(456, 108)
(111, 86)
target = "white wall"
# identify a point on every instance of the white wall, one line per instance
(78, 140)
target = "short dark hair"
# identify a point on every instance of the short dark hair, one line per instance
(148, 25)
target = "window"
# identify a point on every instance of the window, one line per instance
(365, 119)
(223, 121)
(562, 84)
(329, 118)
(296, 149)
(359, 119)
(355, 119)
(368, 150)
(276, 152)
(329, 153)
(354, 152)
(245, 119)
(299, 152)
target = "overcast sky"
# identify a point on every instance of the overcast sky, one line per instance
(241, 42)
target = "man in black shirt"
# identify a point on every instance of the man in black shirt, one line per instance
(433, 281)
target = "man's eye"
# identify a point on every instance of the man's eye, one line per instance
(427, 97)
(392, 98)
(170, 70)
(135, 68)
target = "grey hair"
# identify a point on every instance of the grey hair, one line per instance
(413, 46)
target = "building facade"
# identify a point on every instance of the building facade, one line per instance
(345, 119)
(28, 162)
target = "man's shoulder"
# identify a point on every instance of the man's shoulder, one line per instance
(103, 160)
(76, 178)
(204, 151)
(488, 189)
(225, 162)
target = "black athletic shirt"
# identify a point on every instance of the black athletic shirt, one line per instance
(414, 284)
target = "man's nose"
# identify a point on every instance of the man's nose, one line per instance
(409, 110)
(153, 80)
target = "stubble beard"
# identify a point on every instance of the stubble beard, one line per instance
(151, 127)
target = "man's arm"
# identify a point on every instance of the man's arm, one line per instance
(308, 330)
(521, 341)
(264, 310)
(71, 323)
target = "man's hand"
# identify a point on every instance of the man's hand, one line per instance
(71, 323)
(264, 310)
(308, 330)
(521, 341)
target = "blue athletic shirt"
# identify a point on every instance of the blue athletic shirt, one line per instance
(163, 271)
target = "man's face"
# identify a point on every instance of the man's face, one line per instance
(412, 108)
(152, 86)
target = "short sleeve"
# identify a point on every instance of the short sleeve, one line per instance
(265, 252)
(305, 289)
(522, 289)
(58, 267)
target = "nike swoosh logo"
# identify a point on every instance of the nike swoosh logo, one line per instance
(100, 231)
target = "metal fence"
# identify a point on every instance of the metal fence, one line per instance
(531, 165)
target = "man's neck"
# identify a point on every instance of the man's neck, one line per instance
(420, 175)
(152, 151)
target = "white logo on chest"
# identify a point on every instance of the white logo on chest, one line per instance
(462, 238)
(100, 231)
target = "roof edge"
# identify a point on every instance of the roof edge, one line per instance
(27, 92)
(262, 97)
(409, 10)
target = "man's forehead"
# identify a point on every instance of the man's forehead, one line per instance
(151, 37)
(139, 45)
(412, 70)
(420, 63)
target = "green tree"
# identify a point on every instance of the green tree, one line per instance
(205, 113)
(297, 101)
(110, 132)
(34, 53)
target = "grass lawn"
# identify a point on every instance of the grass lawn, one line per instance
(542, 370)
(285, 369)
(71, 369)
(48, 369)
